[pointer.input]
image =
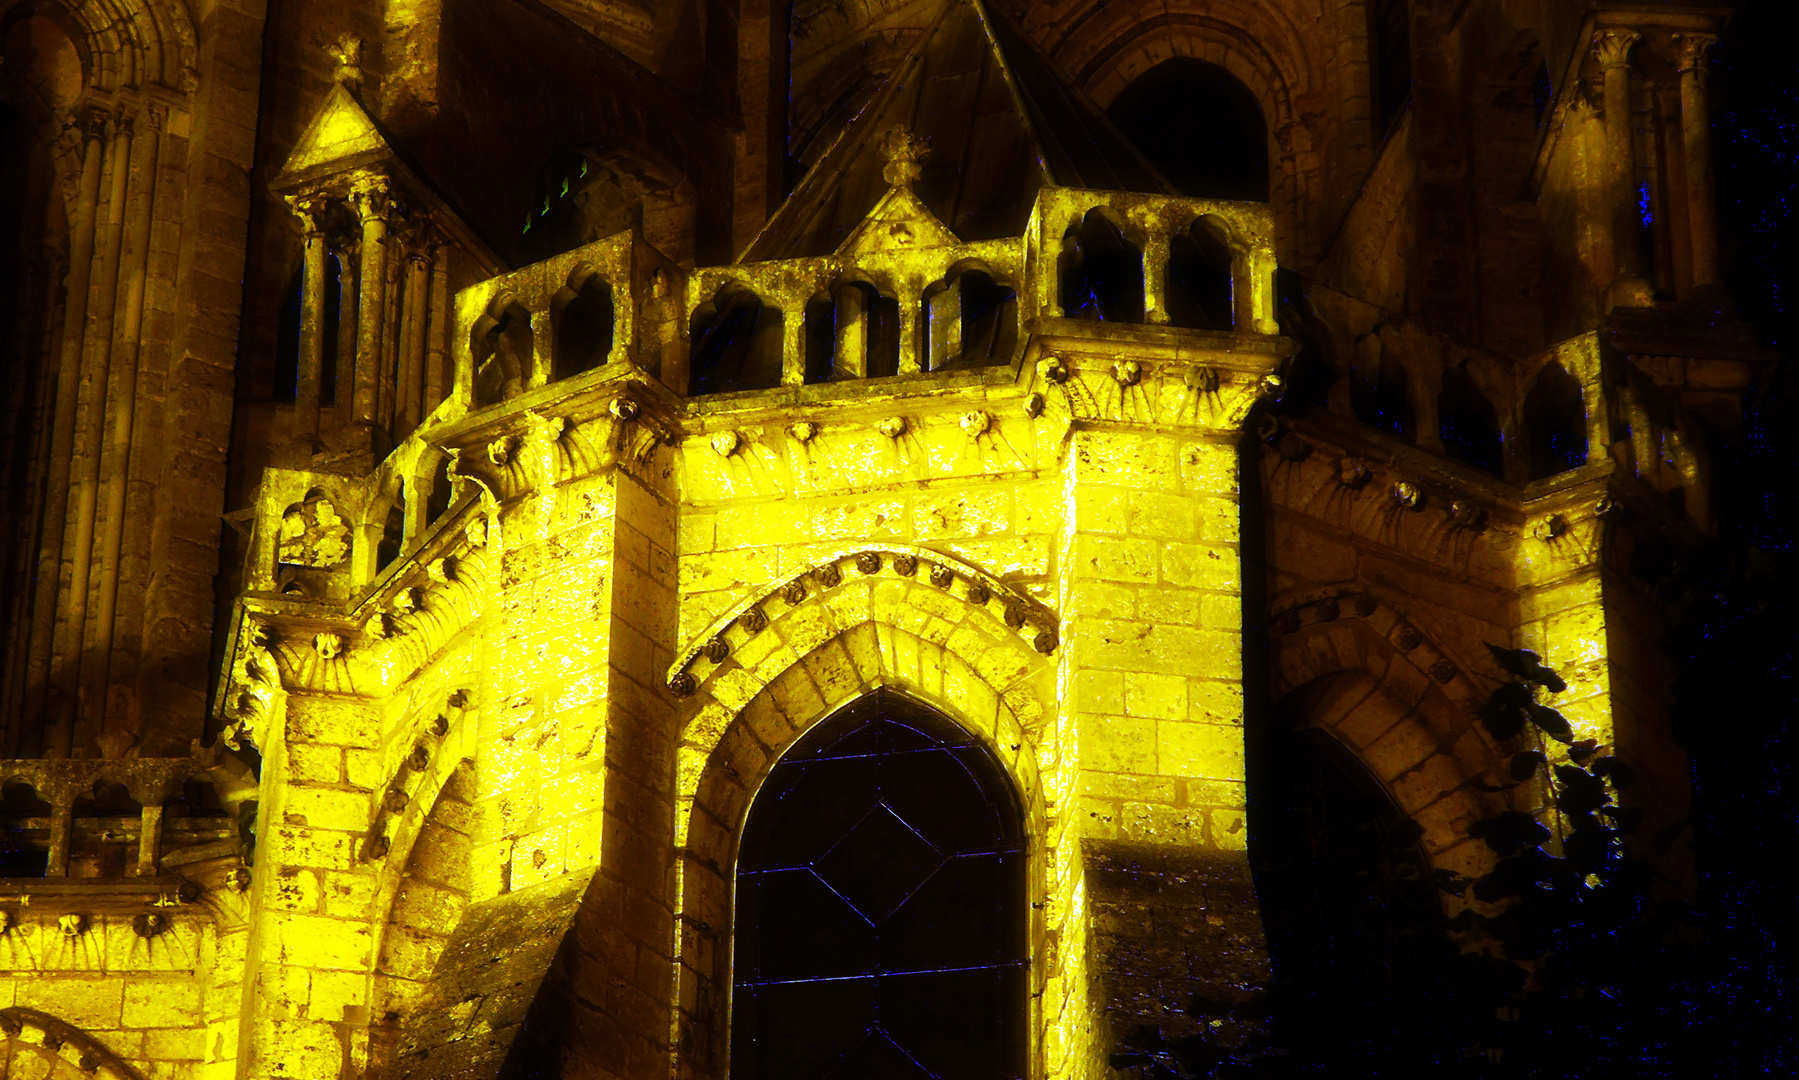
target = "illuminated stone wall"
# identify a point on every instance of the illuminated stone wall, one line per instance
(512, 641)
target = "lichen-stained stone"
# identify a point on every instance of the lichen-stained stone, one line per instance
(485, 981)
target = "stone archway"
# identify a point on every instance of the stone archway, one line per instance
(826, 647)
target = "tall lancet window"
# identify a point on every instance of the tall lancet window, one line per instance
(881, 907)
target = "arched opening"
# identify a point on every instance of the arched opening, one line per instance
(1101, 272)
(1555, 423)
(1199, 277)
(1355, 925)
(1199, 126)
(442, 489)
(24, 832)
(881, 916)
(103, 832)
(502, 349)
(393, 533)
(736, 343)
(583, 328)
(1390, 59)
(1379, 389)
(851, 333)
(971, 321)
(1468, 423)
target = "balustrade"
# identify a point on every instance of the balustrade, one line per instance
(73, 818)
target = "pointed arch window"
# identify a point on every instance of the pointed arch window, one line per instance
(880, 926)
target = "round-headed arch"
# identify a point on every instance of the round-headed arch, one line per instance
(1352, 666)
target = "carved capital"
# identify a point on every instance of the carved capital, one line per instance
(1689, 51)
(310, 209)
(371, 197)
(1612, 47)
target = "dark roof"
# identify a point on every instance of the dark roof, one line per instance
(998, 123)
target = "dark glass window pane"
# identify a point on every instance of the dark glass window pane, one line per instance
(880, 907)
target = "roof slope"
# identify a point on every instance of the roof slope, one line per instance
(998, 124)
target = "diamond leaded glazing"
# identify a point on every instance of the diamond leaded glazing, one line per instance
(880, 918)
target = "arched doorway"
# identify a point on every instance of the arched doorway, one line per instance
(880, 926)
(1363, 963)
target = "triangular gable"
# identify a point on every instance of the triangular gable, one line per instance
(341, 132)
(898, 222)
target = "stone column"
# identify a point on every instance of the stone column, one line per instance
(83, 222)
(1155, 278)
(1696, 132)
(412, 344)
(90, 435)
(438, 328)
(121, 421)
(1629, 286)
(312, 321)
(851, 359)
(370, 198)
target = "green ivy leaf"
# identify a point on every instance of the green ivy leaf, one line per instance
(1529, 666)
(1503, 714)
(1549, 722)
(1525, 765)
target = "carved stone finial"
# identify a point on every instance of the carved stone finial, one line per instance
(1612, 47)
(347, 51)
(903, 150)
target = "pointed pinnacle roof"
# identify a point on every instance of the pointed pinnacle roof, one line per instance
(997, 123)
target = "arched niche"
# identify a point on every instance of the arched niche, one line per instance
(1100, 271)
(1355, 923)
(1555, 423)
(1380, 388)
(881, 912)
(851, 332)
(24, 831)
(1201, 292)
(503, 354)
(971, 320)
(1468, 423)
(737, 343)
(1199, 126)
(582, 325)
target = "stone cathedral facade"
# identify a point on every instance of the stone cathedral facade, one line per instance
(459, 452)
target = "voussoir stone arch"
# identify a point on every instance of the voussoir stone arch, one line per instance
(38, 1045)
(895, 633)
(131, 44)
(1352, 666)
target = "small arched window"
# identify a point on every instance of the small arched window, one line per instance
(736, 343)
(970, 321)
(880, 925)
(1379, 388)
(1555, 423)
(1469, 425)
(1101, 272)
(583, 328)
